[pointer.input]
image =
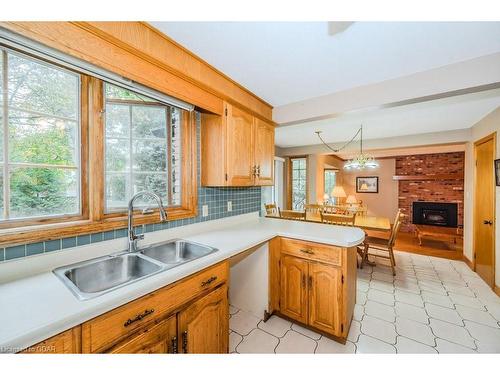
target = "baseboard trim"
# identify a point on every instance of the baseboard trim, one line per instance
(468, 262)
(495, 287)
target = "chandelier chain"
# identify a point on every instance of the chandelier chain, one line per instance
(345, 145)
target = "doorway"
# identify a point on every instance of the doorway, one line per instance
(484, 209)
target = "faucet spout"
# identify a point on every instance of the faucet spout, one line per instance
(132, 237)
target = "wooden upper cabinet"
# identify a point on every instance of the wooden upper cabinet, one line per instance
(325, 293)
(237, 149)
(264, 152)
(293, 295)
(204, 325)
(240, 147)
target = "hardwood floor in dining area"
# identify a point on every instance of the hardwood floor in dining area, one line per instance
(408, 242)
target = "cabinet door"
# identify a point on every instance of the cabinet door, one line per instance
(325, 291)
(293, 295)
(240, 147)
(158, 338)
(67, 342)
(204, 325)
(264, 152)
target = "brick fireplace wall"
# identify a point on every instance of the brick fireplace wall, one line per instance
(449, 190)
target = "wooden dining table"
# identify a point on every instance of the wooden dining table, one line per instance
(378, 223)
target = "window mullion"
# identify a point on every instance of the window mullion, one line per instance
(6, 177)
(131, 162)
(168, 124)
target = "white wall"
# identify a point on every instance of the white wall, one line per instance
(484, 127)
(385, 203)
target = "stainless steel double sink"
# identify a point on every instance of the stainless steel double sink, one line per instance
(97, 276)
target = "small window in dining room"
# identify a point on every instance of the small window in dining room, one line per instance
(329, 175)
(142, 148)
(298, 183)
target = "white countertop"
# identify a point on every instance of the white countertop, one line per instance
(37, 307)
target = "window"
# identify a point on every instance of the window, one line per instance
(330, 175)
(74, 149)
(298, 183)
(39, 139)
(142, 148)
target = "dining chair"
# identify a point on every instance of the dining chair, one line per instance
(293, 215)
(314, 208)
(382, 245)
(272, 209)
(338, 219)
(334, 209)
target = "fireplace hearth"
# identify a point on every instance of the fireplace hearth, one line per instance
(435, 213)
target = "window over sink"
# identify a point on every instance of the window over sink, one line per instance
(143, 148)
(39, 139)
(76, 142)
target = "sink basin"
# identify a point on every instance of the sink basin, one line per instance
(177, 251)
(95, 277)
(101, 275)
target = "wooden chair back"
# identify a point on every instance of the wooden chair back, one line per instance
(293, 215)
(314, 208)
(334, 209)
(395, 230)
(397, 216)
(338, 219)
(272, 209)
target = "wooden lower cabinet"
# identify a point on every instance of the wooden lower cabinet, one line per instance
(325, 290)
(204, 326)
(191, 315)
(294, 288)
(313, 287)
(156, 339)
(67, 342)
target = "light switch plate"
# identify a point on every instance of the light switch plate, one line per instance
(229, 206)
(204, 210)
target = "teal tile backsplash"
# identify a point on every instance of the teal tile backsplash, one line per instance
(244, 200)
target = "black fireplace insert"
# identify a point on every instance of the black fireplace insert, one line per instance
(435, 213)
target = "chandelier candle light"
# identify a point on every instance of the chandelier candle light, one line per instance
(359, 162)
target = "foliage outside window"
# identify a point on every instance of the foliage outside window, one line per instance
(329, 175)
(63, 163)
(142, 148)
(298, 181)
(39, 139)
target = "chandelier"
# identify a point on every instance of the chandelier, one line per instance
(358, 162)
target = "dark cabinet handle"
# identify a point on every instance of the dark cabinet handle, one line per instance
(307, 251)
(138, 317)
(209, 281)
(185, 341)
(488, 222)
(310, 282)
(174, 345)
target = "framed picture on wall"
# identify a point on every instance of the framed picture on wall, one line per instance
(367, 184)
(497, 171)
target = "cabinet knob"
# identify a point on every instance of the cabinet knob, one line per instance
(488, 222)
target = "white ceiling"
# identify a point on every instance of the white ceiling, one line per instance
(285, 62)
(453, 113)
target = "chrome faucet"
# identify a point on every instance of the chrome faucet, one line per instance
(132, 237)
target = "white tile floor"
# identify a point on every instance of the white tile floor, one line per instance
(432, 305)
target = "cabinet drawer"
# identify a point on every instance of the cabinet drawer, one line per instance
(312, 251)
(106, 330)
